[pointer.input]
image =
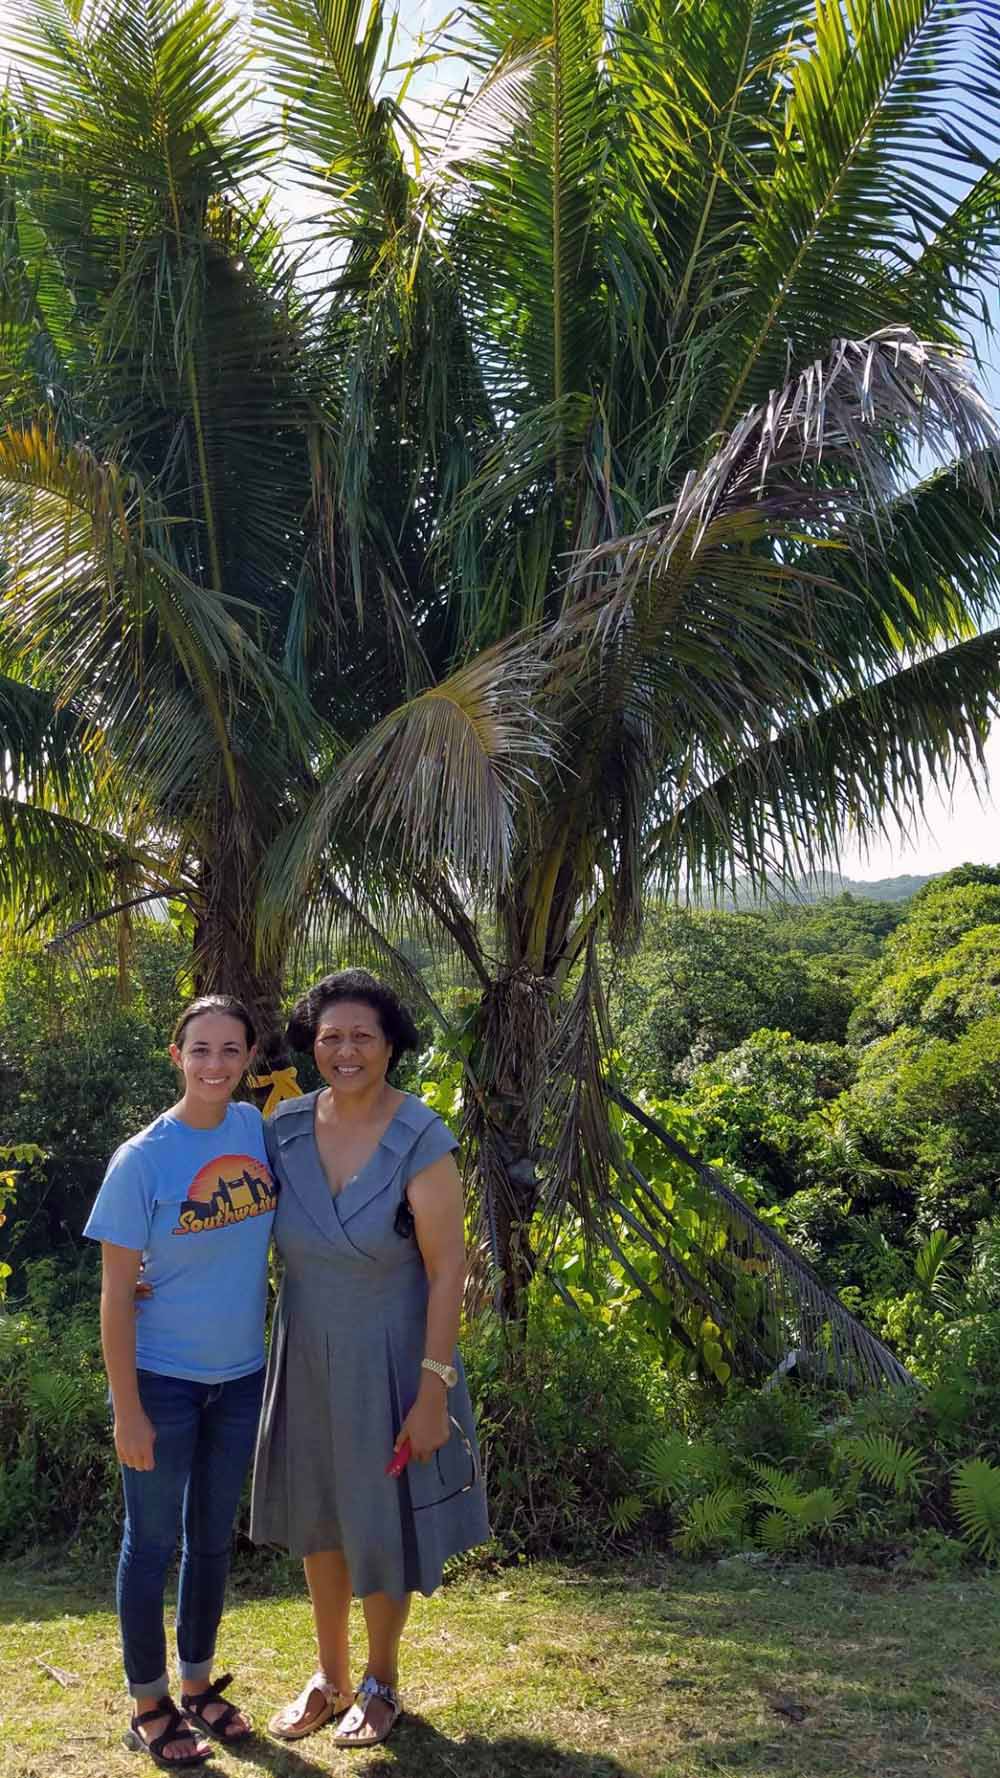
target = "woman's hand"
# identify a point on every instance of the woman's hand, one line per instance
(134, 1438)
(427, 1425)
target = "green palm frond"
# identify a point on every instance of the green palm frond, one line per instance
(672, 1463)
(322, 61)
(933, 1266)
(95, 72)
(42, 745)
(778, 1532)
(976, 1497)
(865, 131)
(56, 868)
(819, 1510)
(713, 1521)
(547, 208)
(777, 1489)
(56, 1402)
(100, 610)
(892, 1464)
(862, 762)
(625, 1514)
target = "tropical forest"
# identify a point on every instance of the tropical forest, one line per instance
(502, 500)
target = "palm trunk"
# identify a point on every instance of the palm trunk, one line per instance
(227, 958)
(511, 1062)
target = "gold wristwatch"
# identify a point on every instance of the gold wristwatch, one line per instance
(447, 1372)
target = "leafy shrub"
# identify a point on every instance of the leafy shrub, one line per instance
(567, 1411)
(777, 1426)
(78, 1073)
(58, 1473)
(864, 1481)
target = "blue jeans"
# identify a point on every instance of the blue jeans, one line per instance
(204, 1441)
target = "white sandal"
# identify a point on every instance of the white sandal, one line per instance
(293, 1721)
(347, 1734)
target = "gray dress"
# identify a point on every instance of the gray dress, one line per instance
(344, 1368)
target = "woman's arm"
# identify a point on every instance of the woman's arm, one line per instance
(435, 1196)
(134, 1433)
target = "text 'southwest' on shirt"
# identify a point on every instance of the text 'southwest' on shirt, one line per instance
(198, 1205)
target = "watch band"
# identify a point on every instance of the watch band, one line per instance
(447, 1372)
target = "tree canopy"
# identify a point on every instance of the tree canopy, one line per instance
(606, 503)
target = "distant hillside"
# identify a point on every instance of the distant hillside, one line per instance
(826, 884)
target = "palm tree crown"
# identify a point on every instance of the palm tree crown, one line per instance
(608, 503)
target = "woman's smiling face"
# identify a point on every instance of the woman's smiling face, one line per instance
(351, 1049)
(213, 1057)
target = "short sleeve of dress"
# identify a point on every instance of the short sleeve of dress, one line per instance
(271, 1144)
(432, 1143)
(123, 1208)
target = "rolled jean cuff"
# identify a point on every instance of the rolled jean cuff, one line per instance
(156, 1688)
(195, 1670)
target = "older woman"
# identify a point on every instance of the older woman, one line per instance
(363, 1372)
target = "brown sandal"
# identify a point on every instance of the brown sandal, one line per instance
(293, 1721)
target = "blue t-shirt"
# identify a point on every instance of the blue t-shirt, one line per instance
(199, 1205)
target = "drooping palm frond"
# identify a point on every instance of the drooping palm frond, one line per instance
(54, 867)
(862, 765)
(765, 1297)
(94, 601)
(843, 409)
(41, 744)
(438, 779)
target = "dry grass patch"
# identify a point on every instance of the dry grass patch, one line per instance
(645, 1672)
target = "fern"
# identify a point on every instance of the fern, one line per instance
(672, 1465)
(892, 1464)
(818, 1510)
(625, 1513)
(711, 1521)
(15, 1334)
(56, 1402)
(778, 1489)
(976, 1497)
(794, 1512)
(778, 1532)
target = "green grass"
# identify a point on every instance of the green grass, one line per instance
(644, 1672)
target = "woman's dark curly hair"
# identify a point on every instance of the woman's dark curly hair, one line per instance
(353, 984)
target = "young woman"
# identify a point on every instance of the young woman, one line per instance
(362, 1363)
(191, 1201)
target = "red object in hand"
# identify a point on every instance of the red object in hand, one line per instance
(399, 1459)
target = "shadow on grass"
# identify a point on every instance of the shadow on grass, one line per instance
(32, 1600)
(419, 1751)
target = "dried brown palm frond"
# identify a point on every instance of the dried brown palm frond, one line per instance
(438, 779)
(572, 1105)
(844, 407)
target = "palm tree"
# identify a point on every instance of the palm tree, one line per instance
(607, 504)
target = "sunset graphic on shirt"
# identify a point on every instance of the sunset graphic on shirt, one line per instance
(227, 1190)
